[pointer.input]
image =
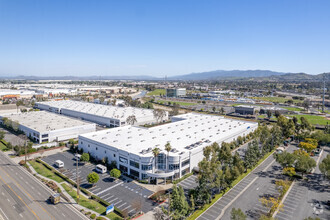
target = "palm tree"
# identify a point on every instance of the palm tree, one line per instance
(168, 148)
(155, 152)
(131, 119)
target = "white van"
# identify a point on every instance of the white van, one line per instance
(59, 163)
(100, 168)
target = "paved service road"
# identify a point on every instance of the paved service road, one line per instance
(189, 183)
(222, 207)
(22, 196)
(123, 193)
(308, 198)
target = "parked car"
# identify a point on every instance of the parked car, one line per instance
(59, 163)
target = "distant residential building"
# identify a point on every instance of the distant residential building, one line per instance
(176, 92)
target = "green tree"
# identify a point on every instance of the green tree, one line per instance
(84, 157)
(2, 135)
(237, 214)
(222, 110)
(252, 154)
(224, 153)
(304, 164)
(168, 148)
(93, 178)
(178, 205)
(269, 113)
(155, 152)
(115, 173)
(285, 159)
(131, 120)
(325, 166)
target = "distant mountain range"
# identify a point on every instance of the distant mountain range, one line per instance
(227, 74)
(211, 75)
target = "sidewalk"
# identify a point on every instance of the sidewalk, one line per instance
(42, 153)
(71, 200)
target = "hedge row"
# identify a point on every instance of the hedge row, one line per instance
(103, 202)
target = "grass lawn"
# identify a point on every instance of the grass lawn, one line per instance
(313, 119)
(276, 99)
(2, 146)
(42, 170)
(293, 109)
(157, 92)
(180, 103)
(89, 204)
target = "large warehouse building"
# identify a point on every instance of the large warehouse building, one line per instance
(44, 126)
(131, 147)
(111, 116)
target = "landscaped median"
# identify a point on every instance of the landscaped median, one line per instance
(236, 181)
(94, 203)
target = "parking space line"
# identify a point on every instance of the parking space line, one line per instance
(121, 205)
(109, 197)
(118, 202)
(113, 200)
(109, 188)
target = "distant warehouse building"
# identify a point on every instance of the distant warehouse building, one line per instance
(131, 147)
(245, 109)
(177, 92)
(111, 116)
(43, 126)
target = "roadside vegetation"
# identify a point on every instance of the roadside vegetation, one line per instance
(43, 171)
(89, 203)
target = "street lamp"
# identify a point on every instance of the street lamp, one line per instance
(77, 178)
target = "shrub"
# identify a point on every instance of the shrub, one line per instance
(22, 162)
(115, 173)
(92, 216)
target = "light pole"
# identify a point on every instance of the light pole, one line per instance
(77, 179)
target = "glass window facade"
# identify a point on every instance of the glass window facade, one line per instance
(174, 166)
(185, 163)
(134, 164)
(146, 167)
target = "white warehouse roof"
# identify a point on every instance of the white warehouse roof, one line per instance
(108, 111)
(187, 132)
(43, 121)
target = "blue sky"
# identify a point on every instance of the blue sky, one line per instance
(162, 37)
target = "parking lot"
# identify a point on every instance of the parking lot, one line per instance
(123, 193)
(189, 183)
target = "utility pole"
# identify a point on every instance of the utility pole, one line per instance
(25, 150)
(323, 103)
(77, 179)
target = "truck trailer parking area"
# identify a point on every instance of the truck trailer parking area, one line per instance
(123, 193)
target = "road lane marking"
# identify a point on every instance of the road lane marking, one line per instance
(19, 198)
(4, 214)
(28, 194)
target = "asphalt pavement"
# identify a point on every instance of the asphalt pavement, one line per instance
(245, 194)
(25, 197)
(308, 198)
(123, 193)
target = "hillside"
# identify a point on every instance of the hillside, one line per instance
(226, 74)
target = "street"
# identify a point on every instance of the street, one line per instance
(24, 197)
